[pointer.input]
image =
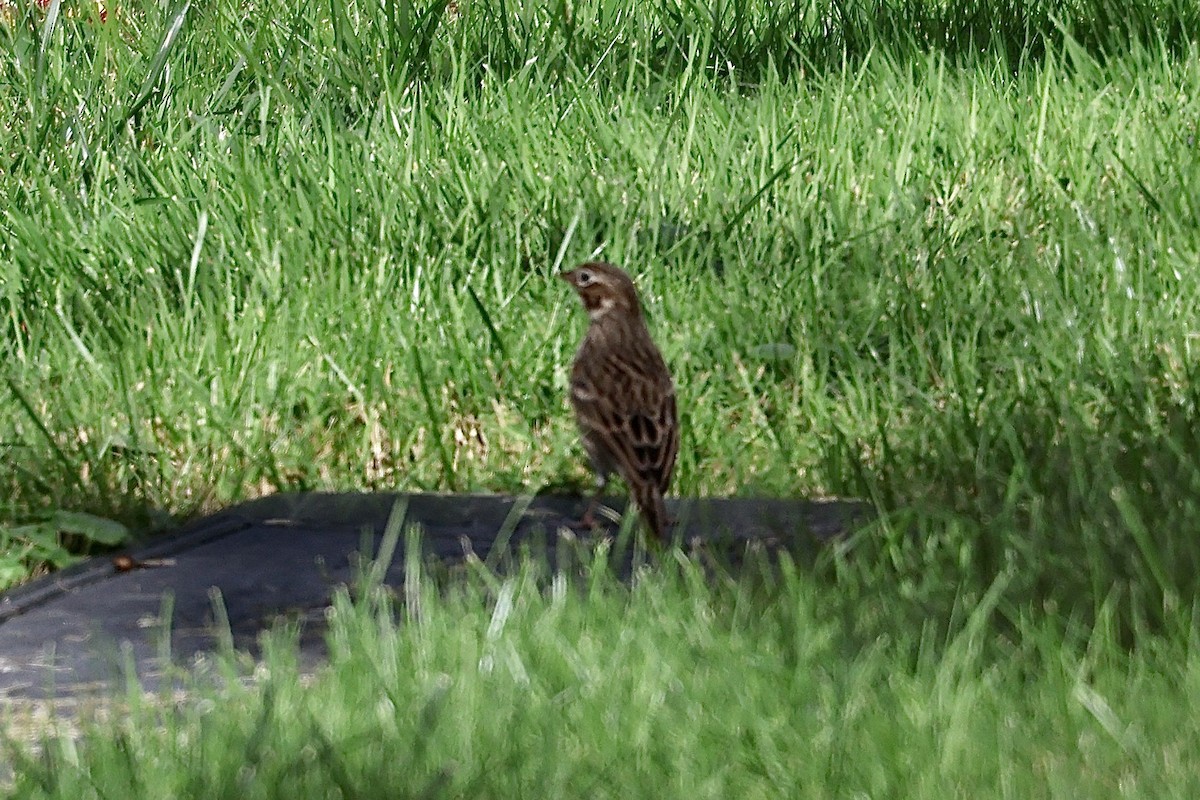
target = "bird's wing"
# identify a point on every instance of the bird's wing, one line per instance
(633, 418)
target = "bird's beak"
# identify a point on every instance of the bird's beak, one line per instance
(566, 276)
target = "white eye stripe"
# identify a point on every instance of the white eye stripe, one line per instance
(585, 278)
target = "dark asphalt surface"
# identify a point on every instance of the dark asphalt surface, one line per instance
(282, 557)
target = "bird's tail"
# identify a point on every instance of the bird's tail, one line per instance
(654, 512)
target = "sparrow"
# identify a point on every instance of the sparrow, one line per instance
(622, 394)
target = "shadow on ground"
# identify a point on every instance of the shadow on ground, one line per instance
(282, 557)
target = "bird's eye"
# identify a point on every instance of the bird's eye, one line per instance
(585, 278)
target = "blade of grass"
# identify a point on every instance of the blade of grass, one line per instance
(70, 469)
(497, 342)
(48, 28)
(158, 63)
(435, 419)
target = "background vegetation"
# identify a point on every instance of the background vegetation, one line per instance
(942, 255)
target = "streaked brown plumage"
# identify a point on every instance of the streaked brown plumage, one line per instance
(622, 393)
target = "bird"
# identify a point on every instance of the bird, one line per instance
(622, 394)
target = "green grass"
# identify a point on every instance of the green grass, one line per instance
(941, 255)
(683, 685)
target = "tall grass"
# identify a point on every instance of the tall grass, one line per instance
(257, 247)
(680, 685)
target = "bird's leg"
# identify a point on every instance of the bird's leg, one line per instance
(588, 520)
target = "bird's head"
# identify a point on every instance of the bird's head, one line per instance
(603, 288)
